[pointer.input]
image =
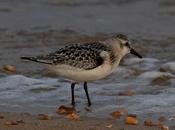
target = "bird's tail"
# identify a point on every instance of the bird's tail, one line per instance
(35, 59)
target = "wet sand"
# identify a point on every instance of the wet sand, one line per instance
(35, 27)
(27, 121)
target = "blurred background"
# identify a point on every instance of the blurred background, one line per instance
(35, 27)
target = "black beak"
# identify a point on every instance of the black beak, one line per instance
(132, 51)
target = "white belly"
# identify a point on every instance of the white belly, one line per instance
(77, 74)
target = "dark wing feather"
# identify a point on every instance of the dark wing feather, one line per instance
(85, 56)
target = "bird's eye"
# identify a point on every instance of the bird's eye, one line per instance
(127, 44)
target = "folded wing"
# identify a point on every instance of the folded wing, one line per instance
(84, 56)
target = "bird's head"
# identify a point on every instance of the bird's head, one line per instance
(125, 46)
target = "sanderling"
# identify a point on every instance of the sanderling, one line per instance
(87, 61)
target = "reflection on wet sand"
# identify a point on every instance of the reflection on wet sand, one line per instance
(38, 27)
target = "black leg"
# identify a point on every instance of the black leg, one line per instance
(72, 93)
(86, 90)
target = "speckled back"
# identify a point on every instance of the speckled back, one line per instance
(85, 56)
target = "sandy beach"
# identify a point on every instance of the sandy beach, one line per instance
(26, 121)
(145, 87)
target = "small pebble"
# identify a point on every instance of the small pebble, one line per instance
(109, 126)
(132, 115)
(44, 117)
(131, 120)
(8, 123)
(127, 93)
(148, 123)
(20, 121)
(73, 116)
(119, 113)
(1, 117)
(66, 110)
(164, 127)
(9, 68)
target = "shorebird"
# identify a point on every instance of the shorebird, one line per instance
(83, 62)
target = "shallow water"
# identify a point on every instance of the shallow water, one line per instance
(154, 92)
(37, 27)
